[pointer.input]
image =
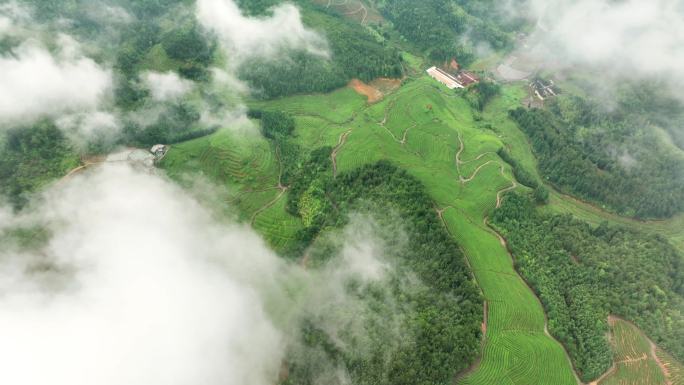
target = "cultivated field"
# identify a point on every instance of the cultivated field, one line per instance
(635, 361)
(246, 170)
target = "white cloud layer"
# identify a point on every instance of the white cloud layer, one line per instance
(139, 284)
(244, 36)
(35, 82)
(166, 86)
(143, 287)
(630, 38)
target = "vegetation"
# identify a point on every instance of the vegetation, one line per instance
(441, 319)
(515, 347)
(605, 158)
(481, 93)
(322, 157)
(355, 53)
(31, 157)
(583, 273)
(438, 27)
(521, 175)
(633, 361)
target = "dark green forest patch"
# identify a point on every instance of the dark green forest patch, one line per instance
(610, 158)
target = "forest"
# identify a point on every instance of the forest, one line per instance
(605, 157)
(441, 315)
(355, 53)
(446, 29)
(164, 35)
(31, 157)
(583, 273)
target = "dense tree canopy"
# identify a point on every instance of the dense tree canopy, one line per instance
(440, 317)
(448, 29)
(30, 157)
(354, 53)
(614, 159)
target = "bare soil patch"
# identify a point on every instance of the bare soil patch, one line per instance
(372, 94)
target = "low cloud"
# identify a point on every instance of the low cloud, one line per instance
(139, 284)
(267, 36)
(36, 83)
(166, 86)
(622, 39)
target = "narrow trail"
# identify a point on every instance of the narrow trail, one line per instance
(340, 143)
(345, 2)
(404, 139)
(361, 9)
(459, 162)
(245, 192)
(267, 206)
(661, 364)
(283, 189)
(71, 173)
(605, 375)
(280, 170)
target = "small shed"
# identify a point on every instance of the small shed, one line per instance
(158, 150)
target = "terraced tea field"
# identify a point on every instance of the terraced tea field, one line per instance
(635, 360)
(246, 167)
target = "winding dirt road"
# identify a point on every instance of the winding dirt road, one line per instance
(340, 143)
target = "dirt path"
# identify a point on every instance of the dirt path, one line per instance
(84, 165)
(267, 206)
(500, 193)
(72, 173)
(459, 162)
(280, 169)
(283, 189)
(477, 170)
(605, 375)
(340, 143)
(363, 9)
(661, 364)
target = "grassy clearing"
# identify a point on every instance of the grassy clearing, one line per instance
(336, 107)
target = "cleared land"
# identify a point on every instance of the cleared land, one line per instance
(635, 360)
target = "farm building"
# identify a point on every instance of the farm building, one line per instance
(462, 80)
(466, 78)
(444, 78)
(544, 89)
(158, 150)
